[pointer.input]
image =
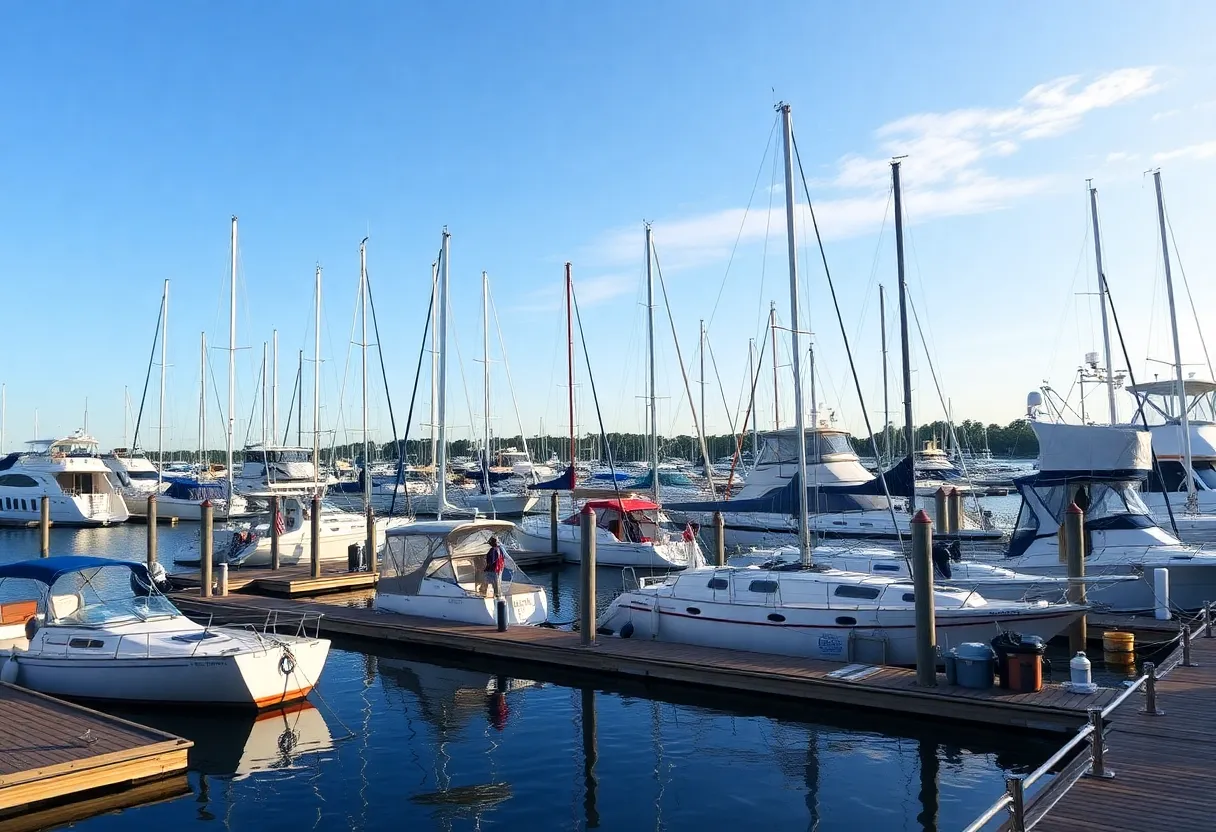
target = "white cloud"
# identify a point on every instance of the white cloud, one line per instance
(1164, 114)
(1203, 150)
(1121, 156)
(944, 176)
(589, 292)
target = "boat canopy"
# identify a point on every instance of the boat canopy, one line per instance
(449, 550)
(189, 489)
(49, 570)
(1073, 452)
(623, 505)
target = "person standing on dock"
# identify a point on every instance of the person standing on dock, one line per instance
(496, 561)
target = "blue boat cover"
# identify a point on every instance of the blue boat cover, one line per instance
(672, 478)
(49, 570)
(188, 489)
(565, 482)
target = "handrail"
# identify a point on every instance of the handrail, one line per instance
(1006, 800)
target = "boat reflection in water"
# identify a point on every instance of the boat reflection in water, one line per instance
(238, 745)
(451, 700)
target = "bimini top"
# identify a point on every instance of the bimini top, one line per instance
(1169, 387)
(444, 528)
(1122, 451)
(623, 505)
(50, 570)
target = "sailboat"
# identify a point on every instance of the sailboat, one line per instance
(630, 530)
(805, 609)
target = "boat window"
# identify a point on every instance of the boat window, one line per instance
(442, 569)
(17, 481)
(717, 583)
(909, 597)
(885, 567)
(853, 591)
(1206, 472)
(8, 503)
(23, 508)
(87, 643)
(846, 620)
(765, 587)
(190, 638)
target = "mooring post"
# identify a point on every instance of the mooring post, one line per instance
(314, 545)
(1097, 746)
(922, 581)
(955, 510)
(151, 530)
(44, 526)
(1186, 645)
(371, 541)
(204, 568)
(1207, 619)
(587, 574)
(553, 523)
(719, 539)
(1016, 788)
(1074, 552)
(1150, 691)
(941, 509)
(275, 518)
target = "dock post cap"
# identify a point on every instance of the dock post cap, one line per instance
(941, 489)
(921, 517)
(952, 490)
(207, 503)
(587, 510)
(152, 498)
(1073, 508)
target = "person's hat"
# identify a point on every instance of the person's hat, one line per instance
(493, 541)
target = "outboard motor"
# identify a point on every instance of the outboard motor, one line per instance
(941, 559)
(160, 577)
(956, 551)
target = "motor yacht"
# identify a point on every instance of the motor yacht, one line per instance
(96, 628)
(70, 473)
(629, 531)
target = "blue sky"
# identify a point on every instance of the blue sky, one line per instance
(546, 132)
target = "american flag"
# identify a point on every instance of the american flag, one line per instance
(278, 522)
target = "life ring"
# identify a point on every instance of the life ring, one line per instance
(287, 664)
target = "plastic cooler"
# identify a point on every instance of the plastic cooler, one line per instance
(973, 665)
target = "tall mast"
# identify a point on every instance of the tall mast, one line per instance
(367, 477)
(886, 401)
(126, 418)
(434, 362)
(300, 399)
(751, 385)
(814, 397)
(265, 370)
(909, 428)
(274, 388)
(1183, 418)
(202, 402)
(160, 428)
(441, 465)
(4, 415)
(316, 385)
(1110, 367)
(701, 349)
(654, 416)
(804, 541)
(772, 335)
(485, 366)
(231, 361)
(570, 359)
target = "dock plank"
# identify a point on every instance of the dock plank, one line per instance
(51, 749)
(892, 689)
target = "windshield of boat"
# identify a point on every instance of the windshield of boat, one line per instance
(105, 595)
(783, 448)
(1099, 500)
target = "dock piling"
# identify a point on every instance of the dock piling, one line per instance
(922, 579)
(1186, 646)
(221, 580)
(587, 575)
(1074, 553)
(1161, 593)
(1150, 691)
(1016, 788)
(151, 530)
(955, 511)
(941, 510)
(274, 531)
(206, 552)
(1097, 747)
(1207, 619)
(719, 539)
(372, 566)
(314, 544)
(553, 523)
(44, 526)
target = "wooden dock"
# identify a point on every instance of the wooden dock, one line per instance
(1163, 764)
(52, 751)
(883, 688)
(297, 581)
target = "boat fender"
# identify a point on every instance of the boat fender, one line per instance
(287, 664)
(627, 629)
(10, 671)
(31, 628)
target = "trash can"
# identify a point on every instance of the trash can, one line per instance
(974, 665)
(950, 657)
(1026, 665)
(1000, 646)
(354, 557)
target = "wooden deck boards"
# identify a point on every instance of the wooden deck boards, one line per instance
(1165, 766)
(889, 688)
(50, 750)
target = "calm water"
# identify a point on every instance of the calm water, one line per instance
(392, 739)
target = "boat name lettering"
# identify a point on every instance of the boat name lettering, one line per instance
(831, 644)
